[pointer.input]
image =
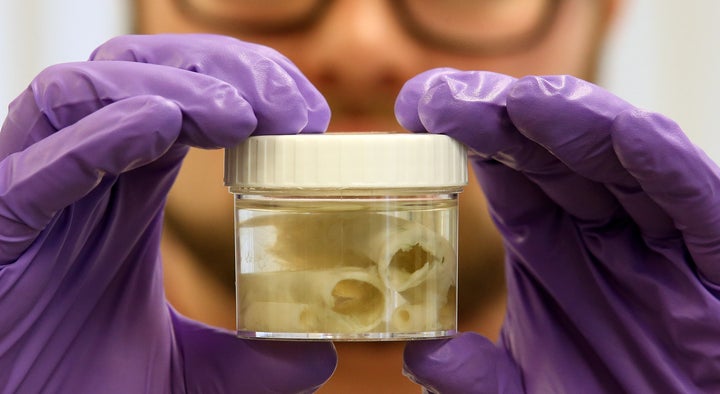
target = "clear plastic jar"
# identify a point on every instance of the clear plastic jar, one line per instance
(346, 236)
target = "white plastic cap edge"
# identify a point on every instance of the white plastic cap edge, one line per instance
(347, 161)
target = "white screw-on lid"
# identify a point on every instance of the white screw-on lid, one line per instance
(346, 161)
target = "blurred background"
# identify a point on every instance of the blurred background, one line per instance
(664, 54)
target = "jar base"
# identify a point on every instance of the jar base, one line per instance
(345, 337)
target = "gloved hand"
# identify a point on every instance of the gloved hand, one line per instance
(611, 222)
(87, 155)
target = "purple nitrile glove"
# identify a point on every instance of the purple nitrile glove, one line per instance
(87, 155)
(611, 222)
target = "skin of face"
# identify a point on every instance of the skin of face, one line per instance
(358, 55)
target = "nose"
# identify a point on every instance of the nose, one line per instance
(360, 56)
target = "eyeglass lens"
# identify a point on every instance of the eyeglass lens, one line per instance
(469, 24)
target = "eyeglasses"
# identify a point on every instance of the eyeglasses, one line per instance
(466, 26)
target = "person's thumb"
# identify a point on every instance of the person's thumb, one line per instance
(467, 363)
(216, 361)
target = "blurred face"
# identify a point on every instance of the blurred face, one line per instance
(359, 53)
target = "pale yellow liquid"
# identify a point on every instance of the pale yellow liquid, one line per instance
(365, 268)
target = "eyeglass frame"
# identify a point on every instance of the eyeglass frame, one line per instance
(413, 28)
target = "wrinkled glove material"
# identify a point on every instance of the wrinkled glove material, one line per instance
(87, 155)
(611, 223)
